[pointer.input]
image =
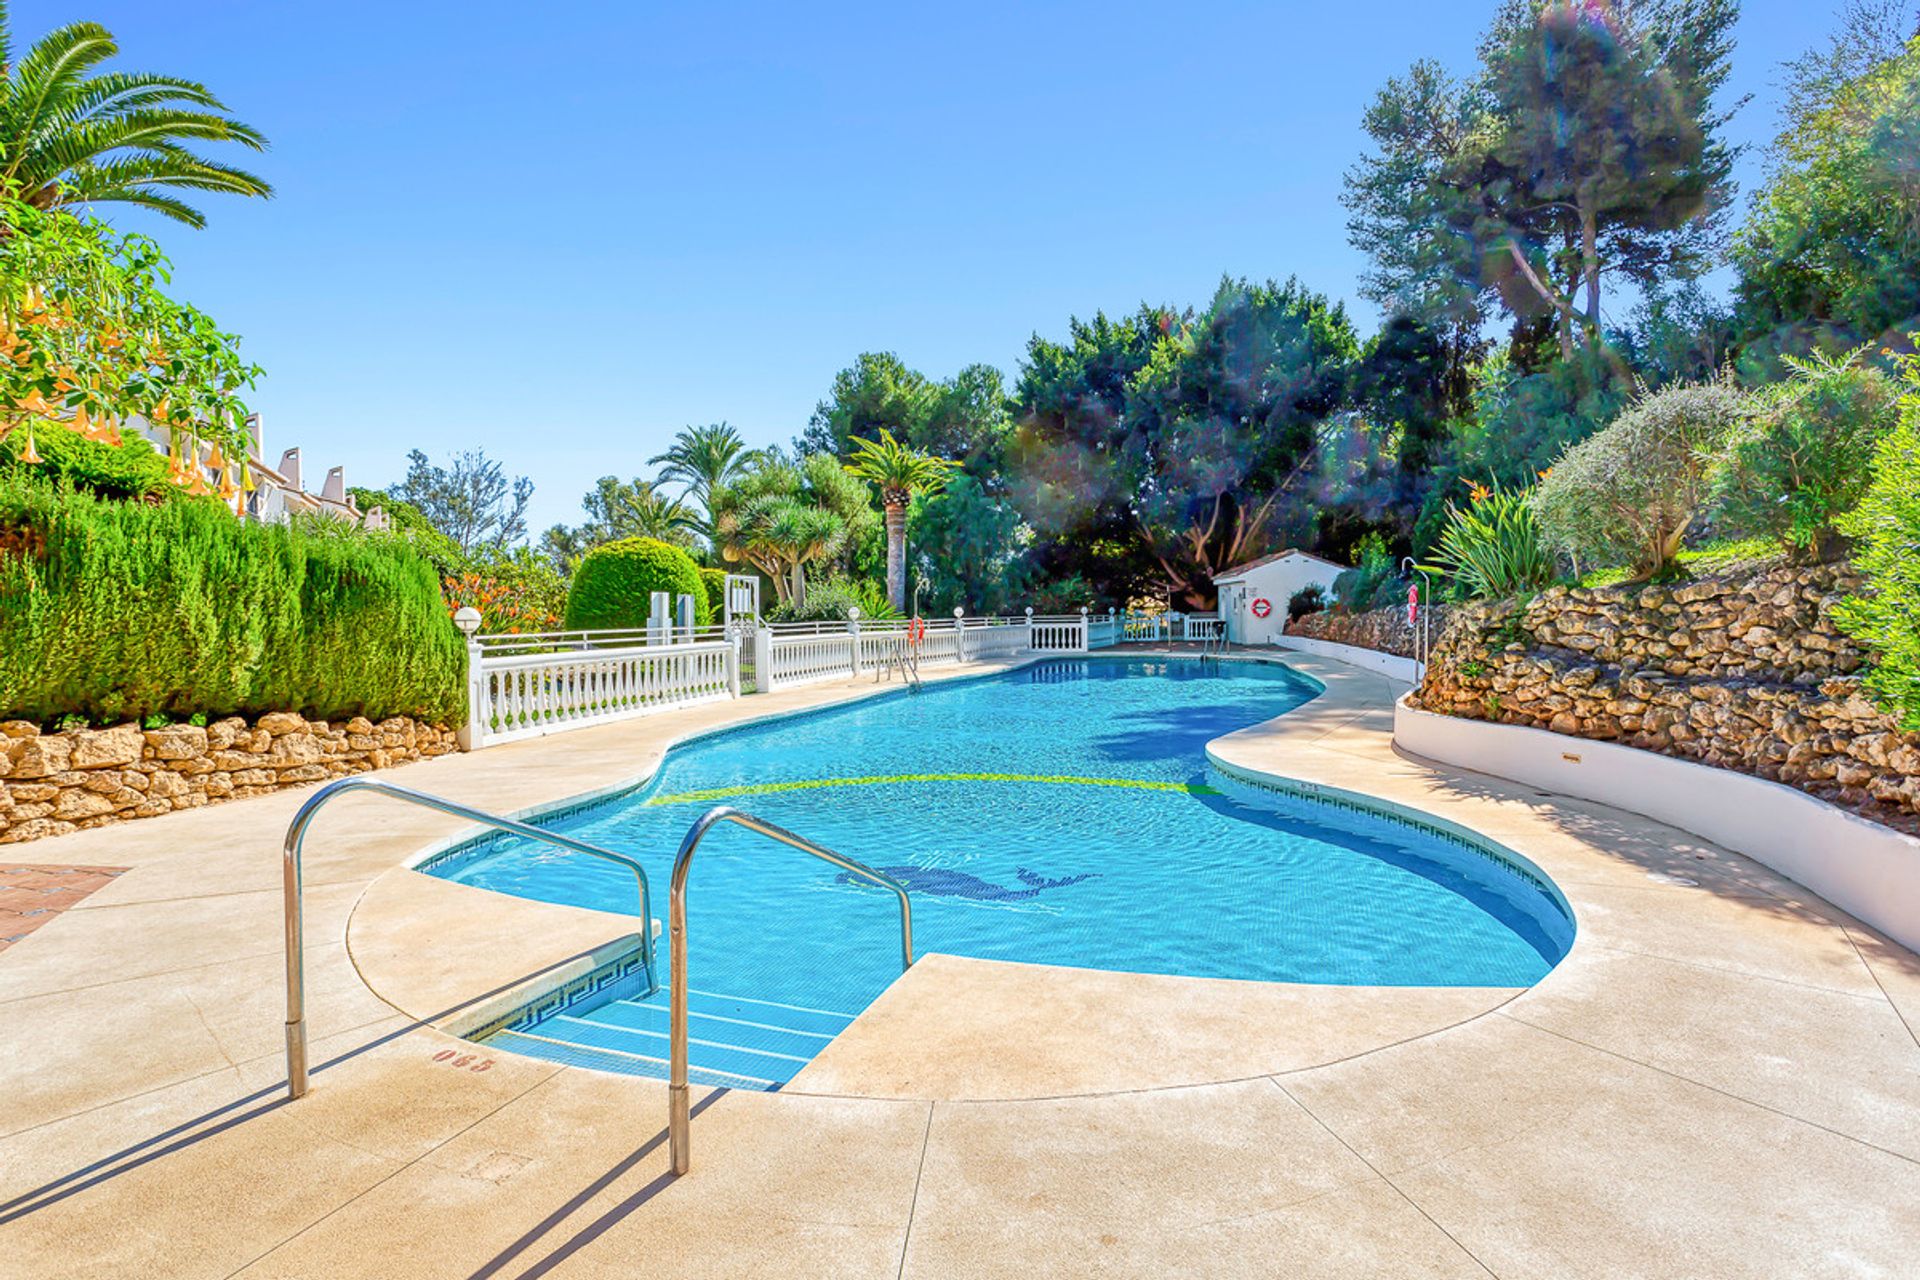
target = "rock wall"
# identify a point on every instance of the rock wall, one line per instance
(53, 783)
(1745, 673)
(1382, 629)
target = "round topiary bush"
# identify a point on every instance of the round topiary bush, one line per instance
(613, 586)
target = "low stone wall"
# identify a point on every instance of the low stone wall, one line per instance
(53, 783)
(1382, 629)
(1742, 672)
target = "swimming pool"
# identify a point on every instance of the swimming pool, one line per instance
(1062, 813)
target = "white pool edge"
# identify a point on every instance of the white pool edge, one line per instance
(1870, 871)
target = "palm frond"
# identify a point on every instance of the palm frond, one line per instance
(159, 202)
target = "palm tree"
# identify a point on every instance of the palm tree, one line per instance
(899, 471)
(69, 137)
(704, 459)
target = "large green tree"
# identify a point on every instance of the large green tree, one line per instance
(1584, 148)
(1184, 444)
(783, 515)
(616, 509)
(73, 134)
(1830, 254)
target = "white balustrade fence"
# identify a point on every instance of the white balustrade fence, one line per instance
(522, 686)
(1200, 626)
(524, 695)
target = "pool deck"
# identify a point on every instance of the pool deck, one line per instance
(1721, 1078)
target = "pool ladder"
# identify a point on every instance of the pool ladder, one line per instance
(679, 1113)
(906, 660)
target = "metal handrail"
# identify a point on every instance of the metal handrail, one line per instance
(678, 1113)
(290, 878)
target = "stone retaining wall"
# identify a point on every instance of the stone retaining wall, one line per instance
(1382, 629)
(53, 783)
(1741, 672)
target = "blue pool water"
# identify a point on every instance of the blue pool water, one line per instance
(1099, 839)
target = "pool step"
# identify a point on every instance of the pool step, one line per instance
(732, 1041)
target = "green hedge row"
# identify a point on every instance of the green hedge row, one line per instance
(115, 610)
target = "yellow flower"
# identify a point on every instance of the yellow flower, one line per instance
(1479, 492)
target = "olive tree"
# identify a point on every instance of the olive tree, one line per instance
(1628, 494)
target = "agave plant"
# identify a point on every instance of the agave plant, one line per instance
(69, 136)
(1492, 547)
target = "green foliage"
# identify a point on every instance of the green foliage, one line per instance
(715, 581)
(616, 509)
(969, 549)
(1064, 595)
(516, 591)
(1830, 254)
(132, 470)
(1357, 589)
(782, 516)
(1493, 547)
(703, 459)
(73, 137)
(115, 611)
(1311, 598)
(411, 523)
(830, 599)
(1801, 461)
(90, 332)
(1886, 530)
(1583, 146)
(1163, 449)
(1629, 494)
(471, 501)
(614, 585)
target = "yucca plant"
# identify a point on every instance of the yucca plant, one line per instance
(1492, 547)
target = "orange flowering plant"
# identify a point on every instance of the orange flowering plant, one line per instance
(89, 339)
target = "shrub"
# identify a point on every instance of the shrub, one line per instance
(132, 470)
(1628, 494)
(1801, 461)
(613, 585)
(829, 601)
(1370, 583)
(1311, 598)
(116, 611)
(1493, 548)
(1886, 526)
(516, 591)
(715, 581)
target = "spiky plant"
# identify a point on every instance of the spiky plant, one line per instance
(69, 136)
(899, 471)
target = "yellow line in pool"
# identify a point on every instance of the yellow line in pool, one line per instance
(809, 784)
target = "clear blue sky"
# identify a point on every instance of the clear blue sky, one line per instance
(560, 232)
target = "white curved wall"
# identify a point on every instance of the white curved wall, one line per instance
(1865, 869)
(1387, 664)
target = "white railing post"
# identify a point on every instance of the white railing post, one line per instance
(733, 665)
(473, 731)
(959, 634)
(1084, 637)
(1029, 643)
(853, 638)
(762, 658)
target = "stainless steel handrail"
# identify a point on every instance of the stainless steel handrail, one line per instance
(290, 881)
(678, 1114)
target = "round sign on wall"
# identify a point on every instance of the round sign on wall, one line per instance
(1262, 607)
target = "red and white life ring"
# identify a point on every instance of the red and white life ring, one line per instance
(1262, 607)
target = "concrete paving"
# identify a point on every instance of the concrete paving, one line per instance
(1721, 1078)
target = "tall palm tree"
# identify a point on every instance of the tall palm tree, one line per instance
(704, 459)
(899, 471)
(68, 136)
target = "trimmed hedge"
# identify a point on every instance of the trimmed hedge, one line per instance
(115, 611)
(613, 585)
